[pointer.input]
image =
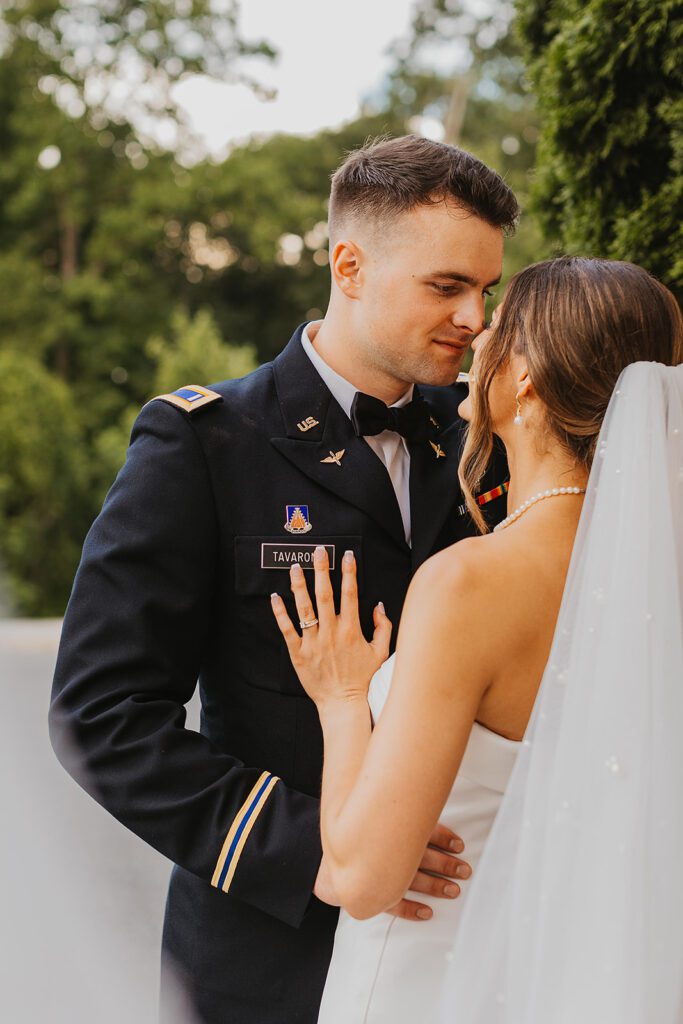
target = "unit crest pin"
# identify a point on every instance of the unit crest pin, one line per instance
(297, 520)
(438, 450)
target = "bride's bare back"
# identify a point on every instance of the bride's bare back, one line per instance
(519, 575)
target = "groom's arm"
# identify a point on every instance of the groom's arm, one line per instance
(134, 637)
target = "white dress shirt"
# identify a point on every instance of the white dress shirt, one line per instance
(389, 446)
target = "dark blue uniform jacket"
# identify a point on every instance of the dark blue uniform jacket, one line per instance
(173, 587)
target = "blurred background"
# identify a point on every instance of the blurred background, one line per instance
(163, 184)
(164, 174)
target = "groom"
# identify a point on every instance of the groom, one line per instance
(222, 489)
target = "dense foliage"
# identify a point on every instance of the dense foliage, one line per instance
(609, 77)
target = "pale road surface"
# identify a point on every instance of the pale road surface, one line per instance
(82, 898)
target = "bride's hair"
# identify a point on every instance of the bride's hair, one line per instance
(578, 322)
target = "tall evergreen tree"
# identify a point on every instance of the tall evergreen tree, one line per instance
(609, 77)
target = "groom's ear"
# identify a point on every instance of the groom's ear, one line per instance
(346, 266)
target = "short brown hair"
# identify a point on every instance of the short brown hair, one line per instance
(388, 177)
(579, 322)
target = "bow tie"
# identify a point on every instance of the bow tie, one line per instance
(371, 416)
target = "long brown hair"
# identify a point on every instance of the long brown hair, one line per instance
(578, 322)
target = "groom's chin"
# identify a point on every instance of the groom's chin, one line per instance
(439, 377)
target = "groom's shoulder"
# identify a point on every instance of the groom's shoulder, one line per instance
(224, 398)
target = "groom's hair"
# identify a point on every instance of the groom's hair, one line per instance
(389, 177)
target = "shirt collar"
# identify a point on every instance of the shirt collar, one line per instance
(341, 390)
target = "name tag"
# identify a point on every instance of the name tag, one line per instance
(282, 556)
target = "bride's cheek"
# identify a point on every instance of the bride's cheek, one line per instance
(465, 409)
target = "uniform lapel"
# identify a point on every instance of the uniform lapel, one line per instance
(317, 428)
(434, 487)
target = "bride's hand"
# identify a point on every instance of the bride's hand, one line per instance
(333, 659)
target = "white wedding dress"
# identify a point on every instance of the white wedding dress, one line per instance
(387, 970)
(574, 912)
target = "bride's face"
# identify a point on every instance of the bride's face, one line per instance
(502, 389)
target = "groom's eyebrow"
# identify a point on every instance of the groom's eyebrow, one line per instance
(452, 275)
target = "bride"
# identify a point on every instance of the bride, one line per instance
(560, 738)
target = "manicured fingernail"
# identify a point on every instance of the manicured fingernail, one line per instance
(348, 557)
(297, 570)
(424, 913)
(380, 605)
(451, 891)
(457, 845)
(275, 598)
(463, 871)
(319, 553)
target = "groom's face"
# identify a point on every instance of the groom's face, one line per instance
(423, 291)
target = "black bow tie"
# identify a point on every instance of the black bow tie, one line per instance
(371, 416)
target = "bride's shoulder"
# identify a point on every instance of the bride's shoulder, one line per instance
(464, 587)
(473, 561)
(469, 576)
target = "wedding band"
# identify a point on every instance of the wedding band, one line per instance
(307, 625)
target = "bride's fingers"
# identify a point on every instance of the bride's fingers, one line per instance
(292, 638)
(324, 598)
(382, 634)
(302, 600)
(349, 591)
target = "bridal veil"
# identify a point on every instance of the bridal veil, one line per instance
(576, 909)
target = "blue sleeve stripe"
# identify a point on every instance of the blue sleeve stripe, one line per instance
(239, 831)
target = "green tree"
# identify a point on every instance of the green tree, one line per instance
(196, 354)
(43, 485)
(609, 77)
(86, 192)
(117, 61)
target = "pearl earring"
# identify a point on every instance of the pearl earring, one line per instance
(518, 417)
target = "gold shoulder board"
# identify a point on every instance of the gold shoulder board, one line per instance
(190, 397)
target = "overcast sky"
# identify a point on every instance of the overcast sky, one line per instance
(331, 56)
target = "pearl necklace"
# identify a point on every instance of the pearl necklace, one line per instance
(532, 501)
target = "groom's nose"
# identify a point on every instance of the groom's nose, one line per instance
(468, 314)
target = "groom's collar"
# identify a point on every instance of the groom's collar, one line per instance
(307, 388)
(303, 395)
(340, 388)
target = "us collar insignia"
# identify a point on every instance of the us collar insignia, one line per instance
(307, 424)
(335, 457)
(438, 450)
(297, 520)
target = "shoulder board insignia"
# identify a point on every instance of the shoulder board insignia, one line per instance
(190, 397)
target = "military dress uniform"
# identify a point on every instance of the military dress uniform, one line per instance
(222, 488)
